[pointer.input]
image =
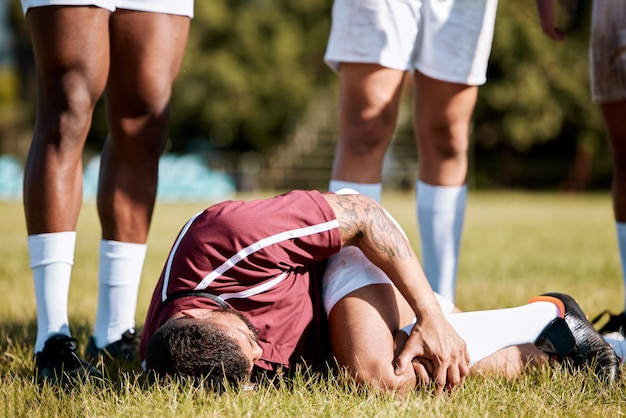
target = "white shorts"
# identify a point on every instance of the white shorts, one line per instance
(607, 51)
(173, 7)
(449, 40)
(349, 270)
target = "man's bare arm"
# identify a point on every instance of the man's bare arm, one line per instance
(364, 223)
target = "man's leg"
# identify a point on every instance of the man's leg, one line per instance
(607, 72)
(369, 101)
(147, 51)
(368, 328)
(365, 336)
(443, 113)
(615, 123)
(72, 59)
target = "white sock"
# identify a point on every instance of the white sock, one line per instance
(487, 332)
(51, 260)
(118, 284)
(621, 241)
(619, 346)
(440, 213)
(373, 190)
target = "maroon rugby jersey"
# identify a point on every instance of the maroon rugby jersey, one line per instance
(258, 256)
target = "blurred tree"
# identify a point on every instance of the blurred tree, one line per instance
(250, 68)
(538, 90)
(536, 86)
(17, 86)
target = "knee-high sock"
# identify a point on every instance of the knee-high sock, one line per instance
(486, 332)
(119, 275)
(373, 190)
(440, 213)
(51, 259)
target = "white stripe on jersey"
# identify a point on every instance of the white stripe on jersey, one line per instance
(168, 267)
(254, 290)
(265, 242)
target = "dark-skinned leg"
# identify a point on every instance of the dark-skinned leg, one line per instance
(366, 337)
(147, 51)
(72, 59)
(614, 115)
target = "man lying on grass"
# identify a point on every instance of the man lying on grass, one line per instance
(239, 293)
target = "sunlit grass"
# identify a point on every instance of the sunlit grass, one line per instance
(515, 246)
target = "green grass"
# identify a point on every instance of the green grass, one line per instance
(516, 245)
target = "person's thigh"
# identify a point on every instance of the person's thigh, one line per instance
(615, 123)
(362, 327)
(369, 101)
(614, 115)
(146, 55)
(456, 39)
(71, 50)
(443, 112)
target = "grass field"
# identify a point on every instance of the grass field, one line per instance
(514, 247)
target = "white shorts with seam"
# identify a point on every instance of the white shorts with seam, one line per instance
(449, 40)
(349, 270)
(174, 7)
(607, 51)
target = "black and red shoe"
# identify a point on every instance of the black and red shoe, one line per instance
(572, 340)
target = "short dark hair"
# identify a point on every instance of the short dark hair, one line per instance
(199, 350)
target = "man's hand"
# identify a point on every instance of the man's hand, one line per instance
(365, 224)
(547, 18)
(436, 353)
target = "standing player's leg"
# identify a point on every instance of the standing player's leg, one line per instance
(452, 61)
(443, 113)
(370, 46)
(147, 49)
(608, 90)
(615, 123)
(369, 101)
(72, 59)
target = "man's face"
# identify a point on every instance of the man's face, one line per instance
(236, 326)
(242, 332)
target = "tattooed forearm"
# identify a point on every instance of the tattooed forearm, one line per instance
(362, 218)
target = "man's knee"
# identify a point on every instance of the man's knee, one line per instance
(381, 376)
(68, 113)
(444, 141)
(366, 137)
